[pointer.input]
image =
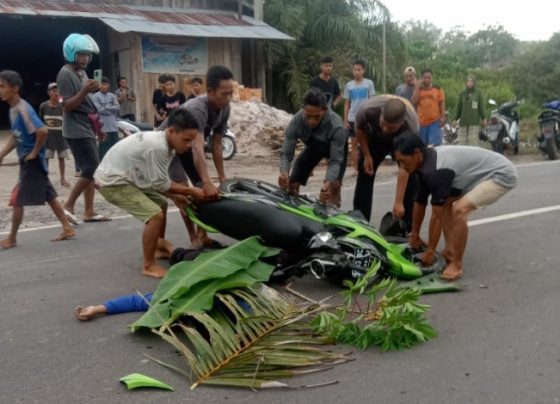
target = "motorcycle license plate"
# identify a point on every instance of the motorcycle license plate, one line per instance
(362, 259)
(548, 130)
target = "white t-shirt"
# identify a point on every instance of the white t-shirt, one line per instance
(141, 159)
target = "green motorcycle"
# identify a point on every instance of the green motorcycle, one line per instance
(314, 238)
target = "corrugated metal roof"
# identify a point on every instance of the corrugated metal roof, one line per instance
(152, 20)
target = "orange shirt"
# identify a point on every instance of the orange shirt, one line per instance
(428, 104)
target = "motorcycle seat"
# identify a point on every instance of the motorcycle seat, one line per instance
(240, 219)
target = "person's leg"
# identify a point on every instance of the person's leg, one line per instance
(17, 218)
(459, 235)
(434, 134)
(58, 210)
(472, 135)
(62, 172)
(303, 166)
(423, 134)
(122, 304)
(408, 199)
(448, 230)
(82, 150)
(336, 186)
(363, 192)
(150, 236)
(165, 249)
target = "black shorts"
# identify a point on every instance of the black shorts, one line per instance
(308, 160)
(86, 155)
(182, 167)
(34, 187)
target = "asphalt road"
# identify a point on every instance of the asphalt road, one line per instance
(498, 338)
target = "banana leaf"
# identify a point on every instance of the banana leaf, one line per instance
(431, 283)
(138, 380)
(182, 298)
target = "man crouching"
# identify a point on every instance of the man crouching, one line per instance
(133, 175)
(460, 179)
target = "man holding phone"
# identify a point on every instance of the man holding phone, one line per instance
(80, 124)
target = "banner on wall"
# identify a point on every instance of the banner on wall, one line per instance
(174, 55)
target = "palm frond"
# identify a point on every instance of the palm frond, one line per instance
(255, 338)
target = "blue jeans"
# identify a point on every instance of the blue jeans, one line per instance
(431, 134)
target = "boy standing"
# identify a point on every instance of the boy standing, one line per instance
(197, 87)
(28, 136)
(171, 98)
(134, 176)
(50, 113)
(157, 96)
(431, 110)
(108, 110)
(356, 93)
(327, 83)
(127, 100)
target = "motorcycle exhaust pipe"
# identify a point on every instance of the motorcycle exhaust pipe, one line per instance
(318, 267)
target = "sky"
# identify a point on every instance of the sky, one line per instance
(536, 21)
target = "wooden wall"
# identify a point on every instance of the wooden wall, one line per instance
(224, 51)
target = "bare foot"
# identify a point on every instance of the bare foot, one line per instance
(65, 235)
(89, 312)
(452, 273)
(164, 249)
(7, 243)
(64, 183)
(154, 270)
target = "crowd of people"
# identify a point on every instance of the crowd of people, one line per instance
(141, 172)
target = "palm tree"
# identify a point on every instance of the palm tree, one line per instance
(344, 29)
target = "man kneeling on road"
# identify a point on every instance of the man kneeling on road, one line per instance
(134, 176)
(460, 179)
(322, 132)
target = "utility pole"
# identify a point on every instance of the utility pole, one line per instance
(384, 85)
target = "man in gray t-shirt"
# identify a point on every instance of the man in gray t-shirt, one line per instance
(409, 89)
(211, 112)
(459, 179)
(80, 125)
(322, 132)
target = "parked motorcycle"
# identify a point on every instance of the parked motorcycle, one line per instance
(449, 132)
(502, 130)
(317, 239)
(549, 138)
(229, 147)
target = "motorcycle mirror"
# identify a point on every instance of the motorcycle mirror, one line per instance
(492, 102)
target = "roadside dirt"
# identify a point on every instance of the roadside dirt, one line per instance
(242, 165)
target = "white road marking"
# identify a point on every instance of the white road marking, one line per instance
(514, 215)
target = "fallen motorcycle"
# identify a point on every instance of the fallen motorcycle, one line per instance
(316, 239)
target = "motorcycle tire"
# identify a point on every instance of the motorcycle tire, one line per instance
(415, 256)
(229, 148)
(551, 149)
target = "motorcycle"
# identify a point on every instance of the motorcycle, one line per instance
(229, 147)
(314, 238)
(549, 138)
(502, 130)
(450, 133)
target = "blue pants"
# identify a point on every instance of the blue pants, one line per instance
(431, 134)
(128, 303)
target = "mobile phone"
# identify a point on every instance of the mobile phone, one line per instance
(97, 74)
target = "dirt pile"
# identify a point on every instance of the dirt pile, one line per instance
(259, 128)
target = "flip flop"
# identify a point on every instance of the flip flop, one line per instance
(97, 218)
(71, 218)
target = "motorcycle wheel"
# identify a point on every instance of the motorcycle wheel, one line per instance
(415, 256)
(551, 149)
(229, 147)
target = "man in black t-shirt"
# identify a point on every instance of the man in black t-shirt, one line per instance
(171, 98)
(326, 83)
(378, 122)
(156, 100)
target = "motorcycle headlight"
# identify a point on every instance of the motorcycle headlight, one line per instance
(323, 239)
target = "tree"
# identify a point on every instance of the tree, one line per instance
(344, 29)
